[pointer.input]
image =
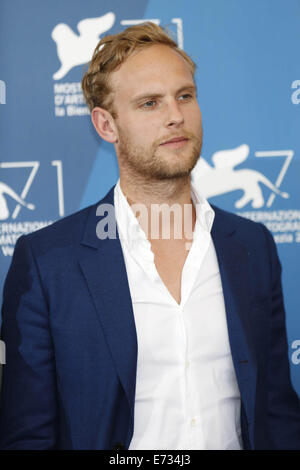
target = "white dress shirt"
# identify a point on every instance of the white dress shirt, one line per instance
(187, 395)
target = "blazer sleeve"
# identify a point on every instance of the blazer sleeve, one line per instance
(28, 410)
(283, 402)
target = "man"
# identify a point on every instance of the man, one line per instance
(147, 339)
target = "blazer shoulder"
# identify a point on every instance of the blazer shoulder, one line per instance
(67, 231)
(247, 230)
(235, 220)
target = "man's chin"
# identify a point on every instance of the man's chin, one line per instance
(179, 162)
(167, 173)
(179, 169)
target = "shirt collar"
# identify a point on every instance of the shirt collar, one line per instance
(133, 235)
(204, 212)
(129, 228)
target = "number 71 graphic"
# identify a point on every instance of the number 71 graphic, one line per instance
(280, 153)
(35, 166)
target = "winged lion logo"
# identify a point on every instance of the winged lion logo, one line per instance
(74, 49)
(223, 177)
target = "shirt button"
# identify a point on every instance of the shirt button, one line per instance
(193, 422)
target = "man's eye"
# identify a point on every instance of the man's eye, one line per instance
(186, 96)
(149, 104)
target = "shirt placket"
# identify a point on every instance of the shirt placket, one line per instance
(193, 427)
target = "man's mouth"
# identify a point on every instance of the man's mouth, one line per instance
(176, 142)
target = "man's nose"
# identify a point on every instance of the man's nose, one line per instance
(174, 114)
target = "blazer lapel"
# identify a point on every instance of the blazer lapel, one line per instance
(104, 269)
(233, 263)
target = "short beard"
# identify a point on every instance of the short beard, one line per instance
(151, 166)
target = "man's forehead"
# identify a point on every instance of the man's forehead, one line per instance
(156, 66)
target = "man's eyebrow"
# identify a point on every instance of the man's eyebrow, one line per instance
(192, 88)
(147, 95)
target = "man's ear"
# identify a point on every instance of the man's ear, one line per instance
(104, 124)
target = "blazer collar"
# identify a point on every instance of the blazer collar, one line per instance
(90, 237)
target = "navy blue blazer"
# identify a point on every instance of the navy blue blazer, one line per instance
(71, 344)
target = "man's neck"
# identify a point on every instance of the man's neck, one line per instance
(172, 191)
(146, 195)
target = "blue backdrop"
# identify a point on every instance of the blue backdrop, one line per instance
(52, 163)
